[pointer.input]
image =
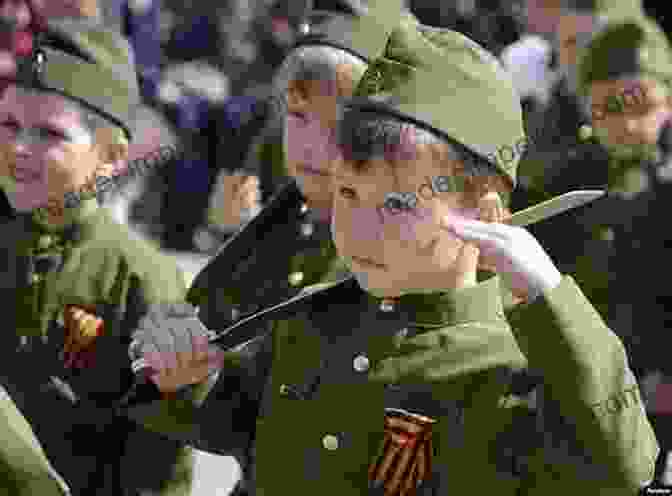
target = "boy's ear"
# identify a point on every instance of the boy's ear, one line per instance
(6, 158)
(298, 93)
(113, 156)
(491, 208)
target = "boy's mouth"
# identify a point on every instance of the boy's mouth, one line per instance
(312, 171)
(25, 175)
(367, 262)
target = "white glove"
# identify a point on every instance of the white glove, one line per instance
(173, 346)
(512, 251)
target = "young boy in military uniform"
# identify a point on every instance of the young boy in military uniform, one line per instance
(288, 245)
(631, 117)
(76, 282)
(398, 380)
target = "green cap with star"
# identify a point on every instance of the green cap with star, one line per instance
(361, 27)
(441, 80)
(86, 62)
(626, 47)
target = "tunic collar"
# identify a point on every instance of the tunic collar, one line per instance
(77, 226)
(480, 303)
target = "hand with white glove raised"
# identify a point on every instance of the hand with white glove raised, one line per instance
(171, 346)
(510, 251)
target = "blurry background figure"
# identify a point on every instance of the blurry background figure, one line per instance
(235, 200)
(492, 23)
(553, 126)
(529, 61)
(20, 19)
(137, 202)
(188, 92)
(140, 22)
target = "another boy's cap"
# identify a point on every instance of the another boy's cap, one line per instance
(444, 81)
(361, 27)
(626, 47)
(605, 7)
(86, 62)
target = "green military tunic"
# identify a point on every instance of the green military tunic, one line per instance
(96, 263)
(342, 357)
(272, 258)
(24, 467)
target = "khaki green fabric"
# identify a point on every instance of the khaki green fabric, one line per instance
(108, 269)
(458, 352)
(442, 79)
(642, 50)
(25, 468)
(86, 62)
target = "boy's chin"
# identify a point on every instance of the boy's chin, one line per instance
(380, 289)
(375, 290)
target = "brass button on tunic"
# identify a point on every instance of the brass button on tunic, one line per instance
(330, 442)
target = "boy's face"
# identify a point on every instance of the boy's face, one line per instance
(571, 28)
(628, 114)
(310, 131)
(393, 251)
(48, 150)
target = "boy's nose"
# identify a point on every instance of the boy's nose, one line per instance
(631, 126)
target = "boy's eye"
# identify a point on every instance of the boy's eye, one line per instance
(10, 124)
(298, 116)
(348, 193)
(52, 133)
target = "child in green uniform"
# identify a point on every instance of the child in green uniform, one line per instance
(75, 282)
(399, 380)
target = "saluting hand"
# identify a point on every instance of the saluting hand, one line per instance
(511, 251)
(172, 346)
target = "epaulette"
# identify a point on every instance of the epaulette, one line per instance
(252, 327)
(286, 204)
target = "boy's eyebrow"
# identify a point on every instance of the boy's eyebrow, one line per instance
(9, 116)
(50, 123)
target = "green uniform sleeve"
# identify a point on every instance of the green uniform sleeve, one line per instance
(225, 419)
(25, 466)
(588, 381)
(164, 283)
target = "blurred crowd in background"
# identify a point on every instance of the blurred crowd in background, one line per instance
(206, 71)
